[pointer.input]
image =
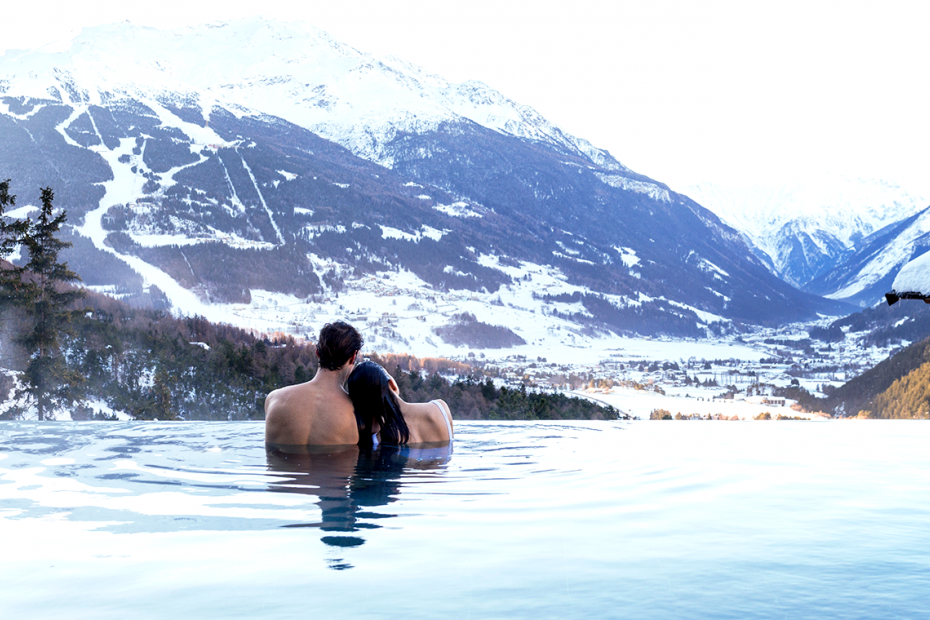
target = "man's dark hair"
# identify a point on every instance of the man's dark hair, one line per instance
(338, 341)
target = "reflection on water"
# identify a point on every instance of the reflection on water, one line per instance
(349, 482)
(710, 521)
(148, 478)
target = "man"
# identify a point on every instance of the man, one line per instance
(318, 412)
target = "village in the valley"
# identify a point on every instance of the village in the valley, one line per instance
(740, 376)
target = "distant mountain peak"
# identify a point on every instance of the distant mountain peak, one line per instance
(806, 229)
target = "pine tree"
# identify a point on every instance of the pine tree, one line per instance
(11, 235)
(162, 406)
(46, 298)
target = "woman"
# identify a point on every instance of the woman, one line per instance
(384, 417)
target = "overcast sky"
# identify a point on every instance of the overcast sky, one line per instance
(689, 91)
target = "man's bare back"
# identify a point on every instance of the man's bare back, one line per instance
(318, 412)
(308, 414)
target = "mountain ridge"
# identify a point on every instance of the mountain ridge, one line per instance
(268, 180)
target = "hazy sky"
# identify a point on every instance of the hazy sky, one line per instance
(729, 92)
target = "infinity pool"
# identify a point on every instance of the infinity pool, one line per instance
(521, 520)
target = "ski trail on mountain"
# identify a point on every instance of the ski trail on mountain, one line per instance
(5, 109)
(232, 188)
(167, 178)
(51, 162)
(93, 124)
(77, 112)
(120, 190)
(184, 256)
(262, 199)
(63, 125)
(200, 135)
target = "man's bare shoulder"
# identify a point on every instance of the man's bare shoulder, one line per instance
(286, 401)
(279, 397)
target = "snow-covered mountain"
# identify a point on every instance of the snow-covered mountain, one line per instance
(870, 271)
(807, 230)
(223, 163)
(291, 71)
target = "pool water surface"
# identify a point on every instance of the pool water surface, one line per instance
(777, 519)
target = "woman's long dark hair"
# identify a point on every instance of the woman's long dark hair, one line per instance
(373, 400)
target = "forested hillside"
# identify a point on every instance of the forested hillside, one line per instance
(152, 365)
(898, 387)
(859, 393)
(908, 397)
(885, 324)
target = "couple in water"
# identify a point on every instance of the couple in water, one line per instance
(350, 402)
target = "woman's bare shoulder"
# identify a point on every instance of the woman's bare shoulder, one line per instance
(427, 423)
(444, 411)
